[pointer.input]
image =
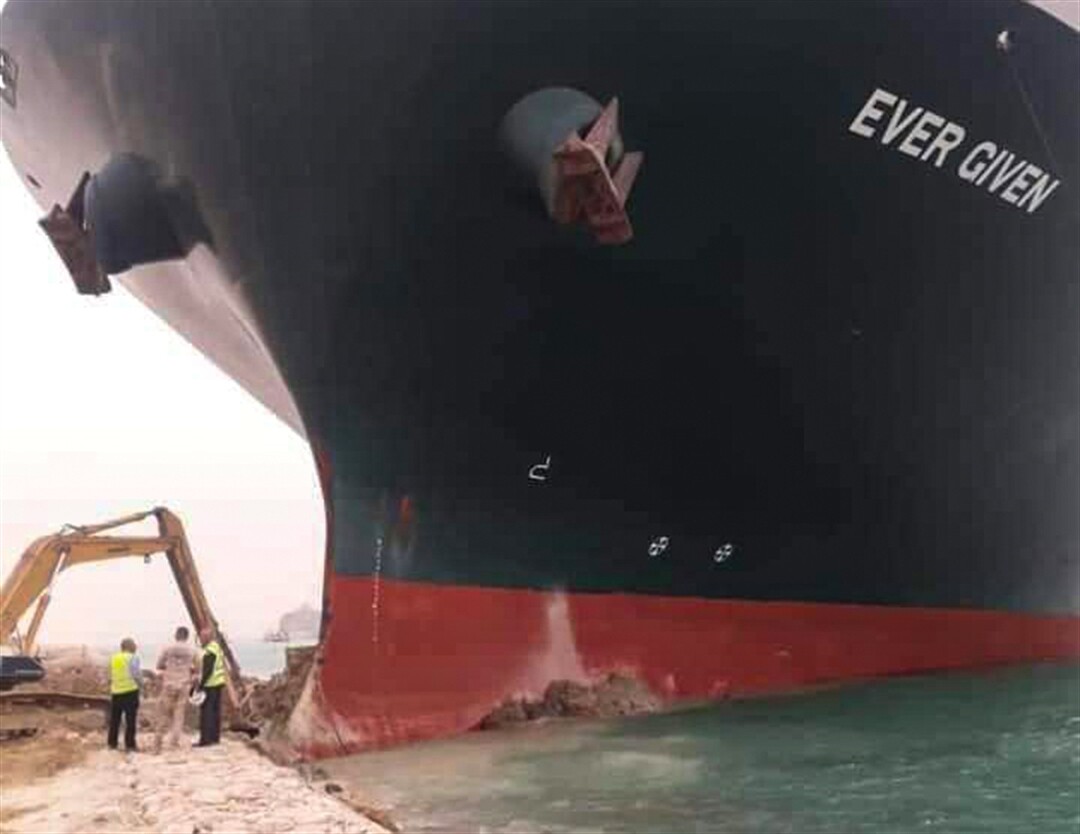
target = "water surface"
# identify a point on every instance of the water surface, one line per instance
(995, 751)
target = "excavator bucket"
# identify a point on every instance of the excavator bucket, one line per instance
(17, 669)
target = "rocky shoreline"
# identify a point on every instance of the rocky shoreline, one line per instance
(60, 777)
(228, 788)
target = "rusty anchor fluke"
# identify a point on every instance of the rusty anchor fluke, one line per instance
(586, 189)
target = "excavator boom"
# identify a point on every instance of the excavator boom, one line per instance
(34, 575)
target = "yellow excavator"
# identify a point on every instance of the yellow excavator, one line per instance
(34, 576)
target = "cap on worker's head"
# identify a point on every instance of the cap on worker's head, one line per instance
(182, 633)
(127, 645)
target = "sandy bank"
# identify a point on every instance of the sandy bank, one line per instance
(230, 788)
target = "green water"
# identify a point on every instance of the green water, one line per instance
(991, 752)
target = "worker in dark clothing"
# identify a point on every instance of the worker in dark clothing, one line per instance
(124, 677)
(211, 683)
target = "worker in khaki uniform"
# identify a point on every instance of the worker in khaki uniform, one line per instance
(211, 682)
(176, 664)
(124, 677)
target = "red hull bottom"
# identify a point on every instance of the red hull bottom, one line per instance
(403, 661)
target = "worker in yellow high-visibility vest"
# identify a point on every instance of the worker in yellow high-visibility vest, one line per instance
(211, 682)
(124, 675)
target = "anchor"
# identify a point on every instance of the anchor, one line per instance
(585, 187)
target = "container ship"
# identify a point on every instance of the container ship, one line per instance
(731, 345)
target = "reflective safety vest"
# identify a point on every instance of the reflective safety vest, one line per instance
(217, 677)
(120, 677)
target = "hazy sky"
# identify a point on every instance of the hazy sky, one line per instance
(105, 411)
(1066, 10)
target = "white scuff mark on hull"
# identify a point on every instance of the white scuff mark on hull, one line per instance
(559, 658)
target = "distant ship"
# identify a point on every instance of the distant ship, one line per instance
(730, 344)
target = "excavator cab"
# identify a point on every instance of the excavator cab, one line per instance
(18, 668)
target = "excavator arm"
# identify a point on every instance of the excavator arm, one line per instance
(34, 575)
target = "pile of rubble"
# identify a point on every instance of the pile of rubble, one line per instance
(84, 671)
(269, 704)
(76, 669)
(616, 695)
(76, 689)
(271, 701)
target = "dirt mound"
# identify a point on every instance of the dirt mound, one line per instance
(79, 670)
(83, 671)
(618, 694)
(61, 735)
(272, 701)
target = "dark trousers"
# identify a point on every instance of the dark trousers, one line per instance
(210, 716)
(126, 705)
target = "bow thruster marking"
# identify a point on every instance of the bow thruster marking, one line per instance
(539, 472)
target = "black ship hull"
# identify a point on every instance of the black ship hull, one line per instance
(833, 381)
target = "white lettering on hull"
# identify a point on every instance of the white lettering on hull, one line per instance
(924, 135)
